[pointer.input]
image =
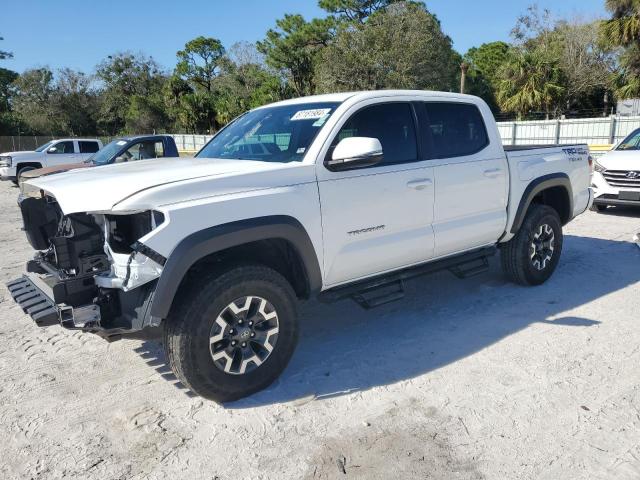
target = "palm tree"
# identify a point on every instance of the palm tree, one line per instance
(531, 81)
(623, 30)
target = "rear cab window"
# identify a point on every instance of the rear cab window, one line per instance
(451, 129)
(88, 146)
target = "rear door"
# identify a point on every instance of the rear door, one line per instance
(471, 176)
(377, 218)
(62, 152)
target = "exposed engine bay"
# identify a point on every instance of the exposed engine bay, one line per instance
(90, 271)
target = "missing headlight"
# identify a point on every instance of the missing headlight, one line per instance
(126, 230)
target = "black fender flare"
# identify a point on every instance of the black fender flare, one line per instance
(221, 237)
(534, 188)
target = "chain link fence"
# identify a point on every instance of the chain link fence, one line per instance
(18, 143)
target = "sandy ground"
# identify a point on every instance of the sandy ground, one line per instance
(463, 380)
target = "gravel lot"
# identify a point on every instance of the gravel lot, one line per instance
(463, 380)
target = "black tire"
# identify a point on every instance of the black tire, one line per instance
(192, 321)
(517, 255)
(598, 208)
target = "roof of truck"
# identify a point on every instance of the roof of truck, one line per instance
(363, 95)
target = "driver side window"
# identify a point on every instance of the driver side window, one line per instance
(632, 142)
(141, 151)
(61, 147)
(391, 123)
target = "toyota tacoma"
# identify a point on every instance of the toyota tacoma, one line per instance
(333, 196)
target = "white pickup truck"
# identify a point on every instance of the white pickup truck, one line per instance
(335, 196)
(53, 153)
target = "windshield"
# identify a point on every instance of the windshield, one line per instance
(272, 134)
(42, 148)
(632, 142)
(105, 154)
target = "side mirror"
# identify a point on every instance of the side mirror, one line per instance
(355, 152)
(52, 150)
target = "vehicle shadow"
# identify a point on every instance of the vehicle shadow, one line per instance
(621, 211)
(344, 348)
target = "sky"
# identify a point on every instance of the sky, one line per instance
(80, 33)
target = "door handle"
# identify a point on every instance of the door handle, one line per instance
(493, 172)
(419, 184)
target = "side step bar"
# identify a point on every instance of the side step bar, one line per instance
(387, 288)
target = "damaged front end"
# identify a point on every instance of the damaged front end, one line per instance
(91, 272)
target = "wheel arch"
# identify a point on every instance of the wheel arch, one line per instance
(21, 165)
(553, 190)
(280, 242)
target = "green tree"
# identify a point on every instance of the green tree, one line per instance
(555, 66)
(622, 30)
(402, 47)
(354, 10)
(188, 108)
(292, 49)
(7, 77)
(126, 76)
(532, 81)
(8, 120)
(199, 65)
(485, 63)
(4, 54)
(74, 103)
(34, 90)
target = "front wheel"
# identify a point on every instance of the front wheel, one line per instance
(531, 257)
(232, 334)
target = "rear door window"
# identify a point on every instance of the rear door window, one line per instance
(452, 129)
(143, 151)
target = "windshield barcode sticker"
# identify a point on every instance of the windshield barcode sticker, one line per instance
(311, 114)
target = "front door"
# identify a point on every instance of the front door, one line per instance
(378, 218)
(61, 153)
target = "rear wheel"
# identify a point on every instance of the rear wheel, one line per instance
(532, 256)
(232, 334)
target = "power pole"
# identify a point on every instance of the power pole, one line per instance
(463, 77)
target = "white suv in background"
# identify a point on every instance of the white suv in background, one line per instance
(616, 176)
(53, 153)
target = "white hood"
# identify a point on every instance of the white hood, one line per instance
(101, 188)
(23, 154)
(621, 160)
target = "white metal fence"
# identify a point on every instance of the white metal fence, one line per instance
(188, 143)
(593, 131)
